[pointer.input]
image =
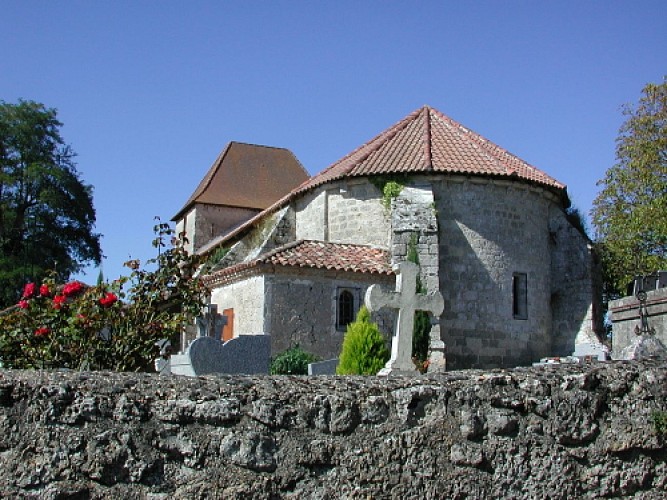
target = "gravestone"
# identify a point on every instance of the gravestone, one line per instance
(407, 301)
(245, 354)
(327, 367)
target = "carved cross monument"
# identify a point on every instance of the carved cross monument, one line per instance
(407, 301)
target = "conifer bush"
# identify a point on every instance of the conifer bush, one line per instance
(364, 349)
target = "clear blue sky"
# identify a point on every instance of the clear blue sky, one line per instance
(150, 92)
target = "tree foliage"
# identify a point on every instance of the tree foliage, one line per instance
(46, 212)
(630, 212)
(364, 349)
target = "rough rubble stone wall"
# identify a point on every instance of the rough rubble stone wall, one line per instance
(490, 230)
(625, 317)
(557, 432)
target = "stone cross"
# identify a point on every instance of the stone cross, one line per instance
(407, 301)
(210, 323)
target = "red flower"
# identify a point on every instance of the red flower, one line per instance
(29, 290)
(42, 332)
(72, 288)
(44, 291)
(108, 299)
(23, 304)
(59, 301)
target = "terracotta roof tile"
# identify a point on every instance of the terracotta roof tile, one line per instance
(427, 141)
(314, 255)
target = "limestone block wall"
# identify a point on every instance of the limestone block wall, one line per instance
(356, 215)
(247, 299)
(311, 221)
(625, 317)
(301, 309)
(490, 230)
(575, 297)
(557, 433)
(344, 212)
(186, 226)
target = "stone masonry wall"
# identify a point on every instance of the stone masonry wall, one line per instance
(344, 212)
(556, 432)
(575, 316)
(625, 318)
(302, 311)
(247, 299)
(489, 231)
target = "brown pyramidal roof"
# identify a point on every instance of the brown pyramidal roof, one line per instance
(426, 141)
(311, 254)
(248, 176)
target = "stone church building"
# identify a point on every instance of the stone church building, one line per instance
(491, 233)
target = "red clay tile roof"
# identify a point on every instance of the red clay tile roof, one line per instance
(426, 141)
(248, 176)
(314, 255)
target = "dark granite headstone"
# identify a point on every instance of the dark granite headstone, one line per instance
(246, 354)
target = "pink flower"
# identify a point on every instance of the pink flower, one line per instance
(42, 332)
(44, 291)
(29, 290)
(108, 299)
(23, 304)
(59, 301)
(72, 288)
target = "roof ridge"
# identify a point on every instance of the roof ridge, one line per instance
(427, 138)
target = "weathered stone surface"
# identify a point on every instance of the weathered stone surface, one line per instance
(564, 431)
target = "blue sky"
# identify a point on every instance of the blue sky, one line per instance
(150, 92)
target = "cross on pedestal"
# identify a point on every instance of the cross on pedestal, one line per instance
(407, 301)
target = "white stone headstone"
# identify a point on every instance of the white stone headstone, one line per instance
(407, 301)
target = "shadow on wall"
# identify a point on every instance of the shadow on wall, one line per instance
(497, 276)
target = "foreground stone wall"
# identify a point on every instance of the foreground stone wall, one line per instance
(554, 432)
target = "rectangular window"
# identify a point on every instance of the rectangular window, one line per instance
(520, 295)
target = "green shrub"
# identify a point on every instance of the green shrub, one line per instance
(364, 349)
(293, 361)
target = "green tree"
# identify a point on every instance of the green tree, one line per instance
(46, 212)
(630, 212)
(364, 349)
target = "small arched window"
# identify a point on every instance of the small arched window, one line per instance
(345, 309)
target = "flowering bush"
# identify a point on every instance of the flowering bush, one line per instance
(108, 326)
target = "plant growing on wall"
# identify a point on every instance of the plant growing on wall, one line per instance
(108, 326)
(293, 361)
(364, 348)
(390, 186)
